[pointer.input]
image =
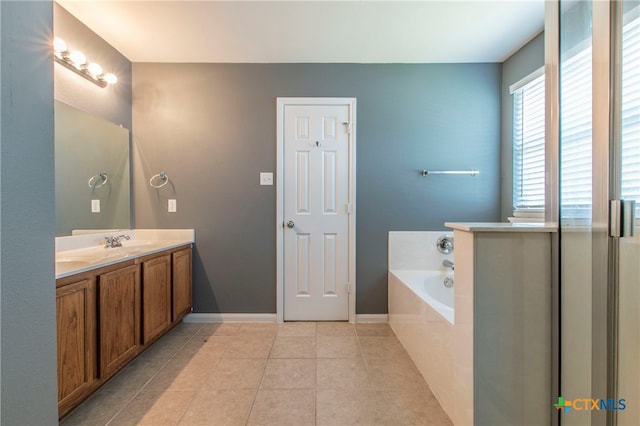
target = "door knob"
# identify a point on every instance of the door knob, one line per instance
(290, 224)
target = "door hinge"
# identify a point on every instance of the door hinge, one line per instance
(348, 208)
(347, 288)
(348, 125)
(622, 218)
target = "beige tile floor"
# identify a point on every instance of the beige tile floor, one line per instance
(267, 374)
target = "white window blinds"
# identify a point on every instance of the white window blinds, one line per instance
(528, 146)
(575, 132)
(576, 123)
(630, 137)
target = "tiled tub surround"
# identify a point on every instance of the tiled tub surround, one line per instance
(493, 365)
(80, 253)
(426, 334)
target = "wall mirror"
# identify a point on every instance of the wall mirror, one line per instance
(91, 173)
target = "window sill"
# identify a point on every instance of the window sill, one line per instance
(525, 219)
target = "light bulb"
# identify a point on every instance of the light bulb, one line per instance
(110, 78)
(94, 69)
(59, 45)
(77, 58)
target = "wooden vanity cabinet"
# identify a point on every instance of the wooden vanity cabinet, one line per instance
(119, 318)
(182, 284)
(156, 297)
(107, 316)
(76, 334)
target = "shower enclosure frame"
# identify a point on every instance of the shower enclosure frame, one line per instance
(603, 298)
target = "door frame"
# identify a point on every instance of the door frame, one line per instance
(281, 103)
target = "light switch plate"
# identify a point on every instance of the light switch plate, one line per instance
(172, 206)
(266, 178)
(95, 206)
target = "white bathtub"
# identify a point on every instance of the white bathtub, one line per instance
(428, 286)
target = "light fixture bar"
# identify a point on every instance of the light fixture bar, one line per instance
(80, 71)
(77, 62)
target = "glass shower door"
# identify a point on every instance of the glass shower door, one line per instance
(627, 187)
(576, 200)
(599, 161)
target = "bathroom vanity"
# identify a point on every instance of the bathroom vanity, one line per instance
(113, 303)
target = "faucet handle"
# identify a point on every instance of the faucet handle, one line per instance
(445, 244)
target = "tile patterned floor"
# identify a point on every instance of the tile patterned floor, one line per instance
(267, 374)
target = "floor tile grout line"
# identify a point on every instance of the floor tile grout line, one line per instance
(135, 395)
(315, 381)
(198, 389)
(137, 392)
(255, 395)
(364, 359)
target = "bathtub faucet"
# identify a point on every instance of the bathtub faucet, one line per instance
(447, 264)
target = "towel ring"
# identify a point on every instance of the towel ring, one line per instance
(163, 177)
(93, 180)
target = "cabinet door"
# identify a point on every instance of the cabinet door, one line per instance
(76, 333)
(156, 297)
(119, 318)
(181, 283)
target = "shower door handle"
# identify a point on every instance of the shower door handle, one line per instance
(622, 218)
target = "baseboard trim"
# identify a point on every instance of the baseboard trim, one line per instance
(269, 318)
(375, 318)
(217, 317)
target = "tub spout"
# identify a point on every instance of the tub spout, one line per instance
(447, 263)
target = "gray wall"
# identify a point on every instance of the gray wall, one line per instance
(212, 128)
(28, 386)
(522, 63)
(112, 103)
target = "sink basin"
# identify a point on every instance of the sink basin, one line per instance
(139, 245)
(132, 252)
(99, 255)
(72, 259)
(128, 250)
(72, 263)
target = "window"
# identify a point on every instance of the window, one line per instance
(630, 135)
(576, 132)
(576, 124)
(576, 136)
(528, 145)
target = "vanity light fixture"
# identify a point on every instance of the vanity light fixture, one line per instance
(77, 62)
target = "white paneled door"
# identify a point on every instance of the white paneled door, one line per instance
(316, 210)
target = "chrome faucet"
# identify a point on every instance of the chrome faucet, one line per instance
(112, 242)
(447, 264)
(444, 244)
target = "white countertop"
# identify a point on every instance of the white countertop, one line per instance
(83, 253)
(502, 227)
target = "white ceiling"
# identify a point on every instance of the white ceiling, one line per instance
(313, 31)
